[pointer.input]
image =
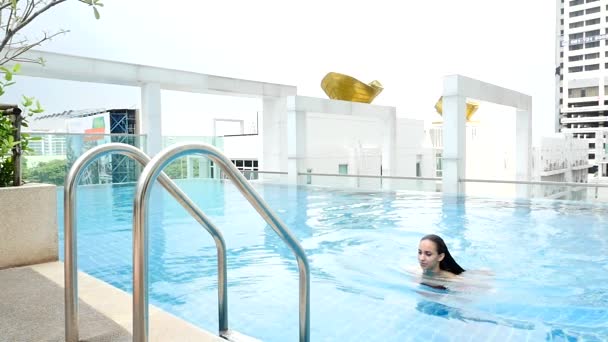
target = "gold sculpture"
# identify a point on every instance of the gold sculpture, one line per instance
(343, 87)
(471, 108)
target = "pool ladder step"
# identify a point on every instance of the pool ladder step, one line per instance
(235, 336)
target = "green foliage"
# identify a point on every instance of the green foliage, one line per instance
(14, 16)
(8, 129)
(52, 172)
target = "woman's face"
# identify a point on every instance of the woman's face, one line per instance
(428, 257)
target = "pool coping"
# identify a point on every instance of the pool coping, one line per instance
(117, 306)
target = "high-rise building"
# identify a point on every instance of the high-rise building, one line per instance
(582, 75)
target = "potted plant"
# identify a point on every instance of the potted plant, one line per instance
(28, 224)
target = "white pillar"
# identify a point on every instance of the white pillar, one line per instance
(150, 117)
(296, 141)
(454, 144)
(523, 150)
(189, 168)
(389, 154)
(272, 128)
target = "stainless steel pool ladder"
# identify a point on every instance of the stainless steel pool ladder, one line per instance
(140, 231)
(151, 172)
(71, 262)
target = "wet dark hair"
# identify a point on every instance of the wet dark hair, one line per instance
(448, 263)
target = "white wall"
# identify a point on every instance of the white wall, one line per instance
(243, 147)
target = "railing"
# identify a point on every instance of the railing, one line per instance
(140, 231)
(71, 263)
(369, 176)
(506, 188)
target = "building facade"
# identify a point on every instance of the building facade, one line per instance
(582, 75)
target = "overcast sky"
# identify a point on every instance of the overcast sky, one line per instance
(406, 45)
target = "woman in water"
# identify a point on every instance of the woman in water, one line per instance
(436, 261)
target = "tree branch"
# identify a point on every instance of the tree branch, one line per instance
(13, 54)
(25, 21)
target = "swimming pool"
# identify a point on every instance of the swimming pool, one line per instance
(549, 259)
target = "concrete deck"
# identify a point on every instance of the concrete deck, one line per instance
(31, 309)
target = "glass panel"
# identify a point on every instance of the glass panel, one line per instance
(53, 154)
(193, 166)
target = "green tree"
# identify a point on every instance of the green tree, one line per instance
(52, 172)
(14, 16)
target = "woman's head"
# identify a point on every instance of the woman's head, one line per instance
(433, 255)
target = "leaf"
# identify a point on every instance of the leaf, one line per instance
(8, 76)
(24, 124)
(27, 101)
(17, 68)
(96, 13)
(35, 139)
(14, 3)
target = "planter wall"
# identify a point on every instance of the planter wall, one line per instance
(28, 225)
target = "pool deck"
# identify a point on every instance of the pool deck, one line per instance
(32, 309)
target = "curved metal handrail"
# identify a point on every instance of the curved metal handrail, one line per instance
(140, 232)
(70, 265)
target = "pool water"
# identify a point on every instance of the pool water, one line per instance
(548, 262)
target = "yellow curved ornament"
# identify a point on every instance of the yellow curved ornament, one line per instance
(471, 108)
(343, 87)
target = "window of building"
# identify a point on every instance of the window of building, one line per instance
(583, 92)
(592, 45)
(588, 1)
(592, 21)
(576, 24)
(575, 69)
(576, 35)
(592, 10)
(576, 2)
(576, 47)
(343, 169)
(592, 55)
(247, 167)
(575, 13)
(592, 33)
(592, 67)
(575, 58)
(438, 166)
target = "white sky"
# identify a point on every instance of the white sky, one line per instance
(407, 45)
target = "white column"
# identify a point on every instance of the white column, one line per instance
(272, 130)
(150, 117)
(389, 149)
(189, 168)
(296, 141)
(523, 150)
(454, 144)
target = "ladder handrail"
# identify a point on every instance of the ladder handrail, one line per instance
(70, 265)
(140, 232)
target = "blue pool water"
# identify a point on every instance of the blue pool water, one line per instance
(549, 261)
